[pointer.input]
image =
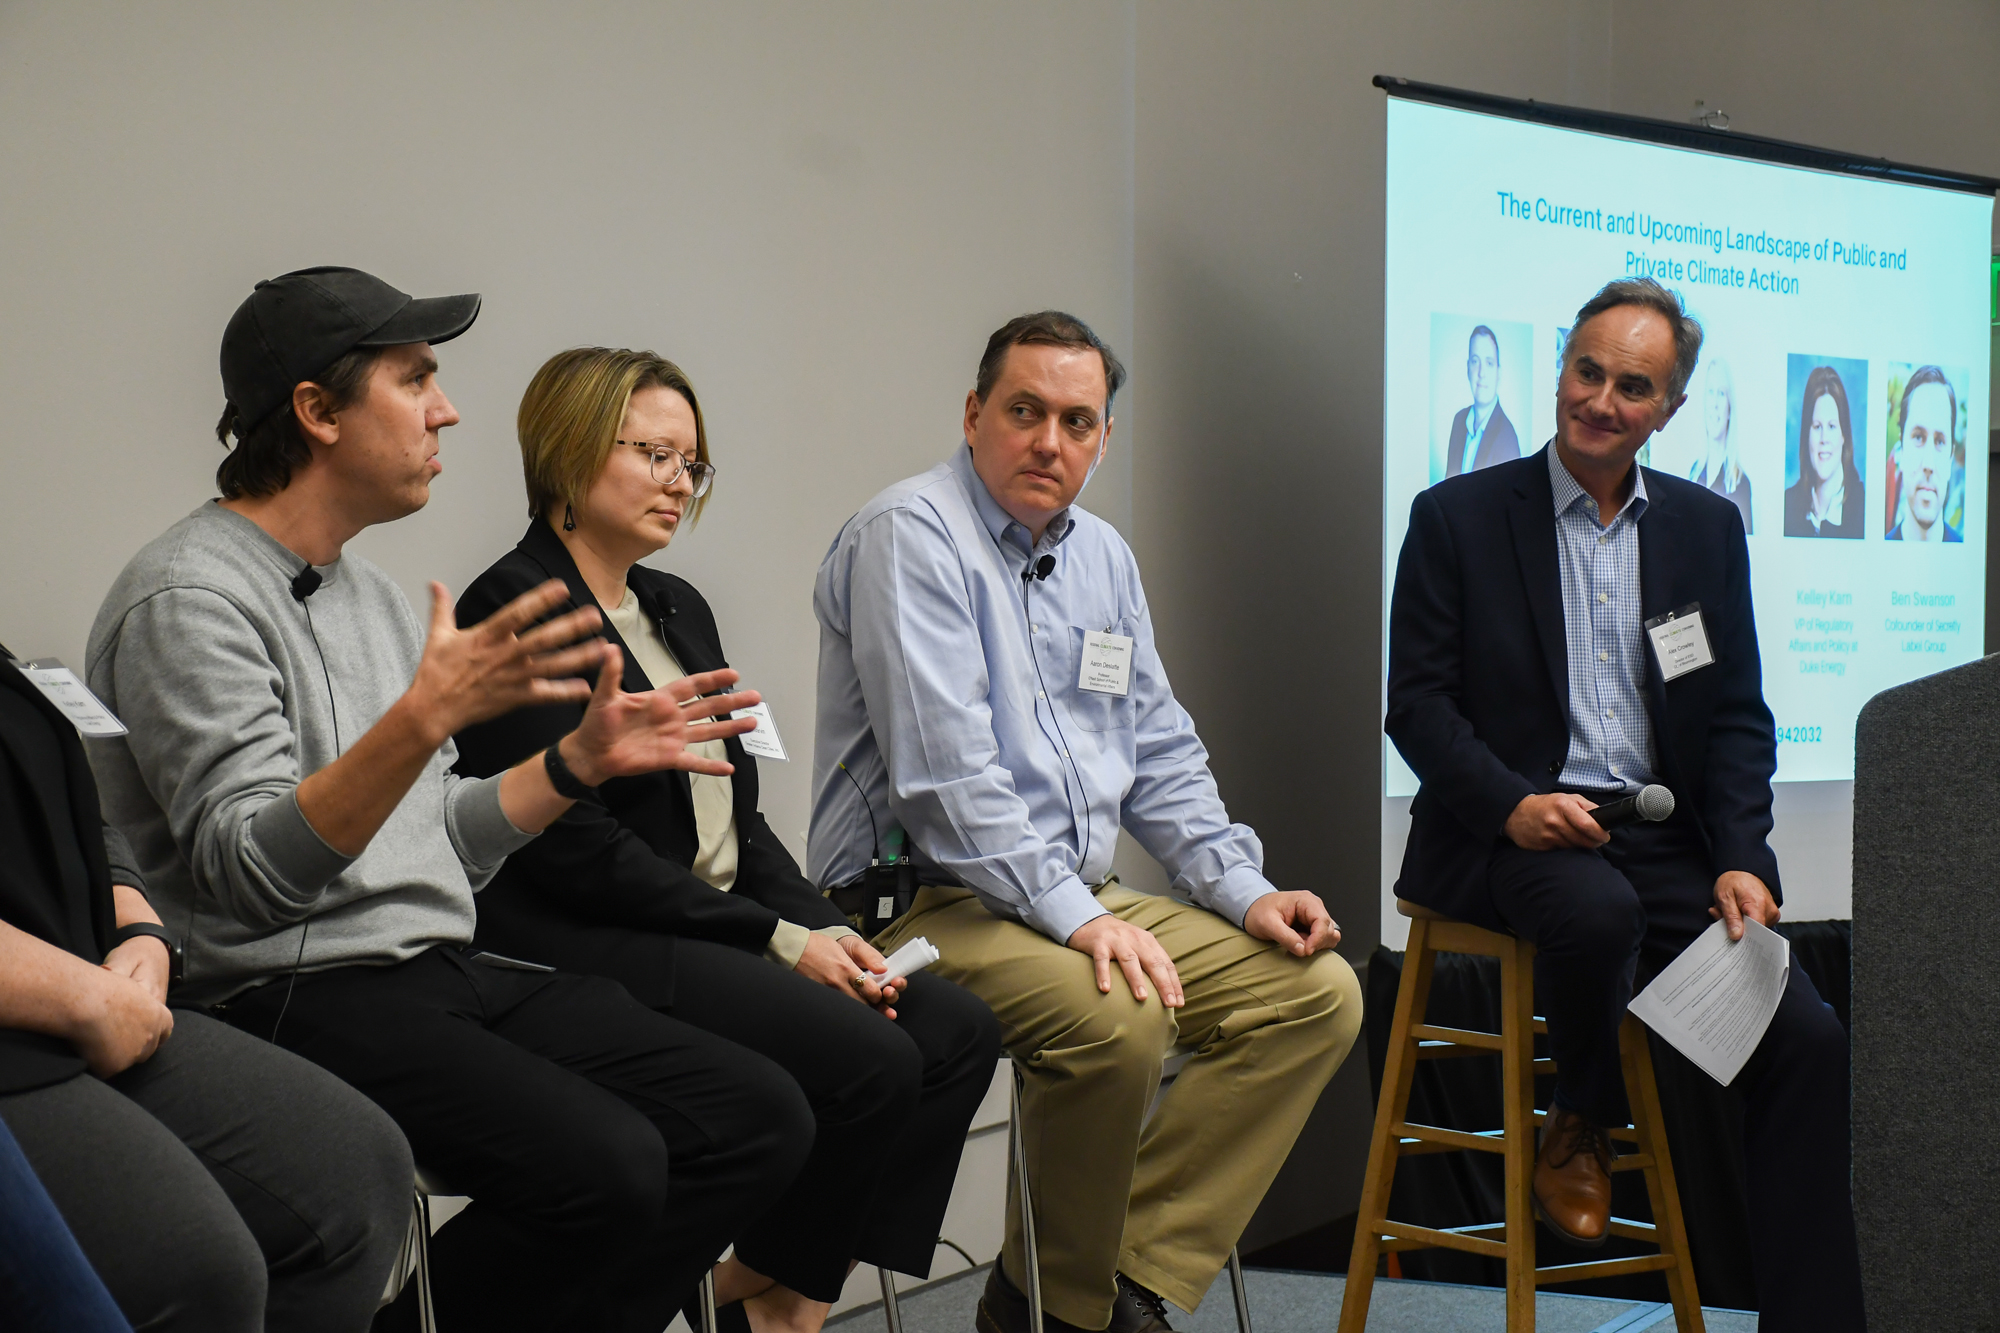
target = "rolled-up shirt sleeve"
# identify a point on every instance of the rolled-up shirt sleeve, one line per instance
(918, 654)
(476, 823)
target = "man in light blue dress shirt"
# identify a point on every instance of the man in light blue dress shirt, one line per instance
(988, 683)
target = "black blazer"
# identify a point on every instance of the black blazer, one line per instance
(1497, 443)
(34, 895)
(623, 858)
(1479, 674)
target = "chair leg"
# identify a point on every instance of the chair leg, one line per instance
(426, 1310)
(1018, 1146)
(1643, 1092)
(1517, 1077)
(1398, 1069)
(708, 1302)
(892, 1313)
(1236, 1289)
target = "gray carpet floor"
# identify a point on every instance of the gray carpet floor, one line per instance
(1282, 1302)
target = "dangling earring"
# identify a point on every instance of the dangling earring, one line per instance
(569, 519)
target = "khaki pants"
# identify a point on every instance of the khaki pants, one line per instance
(1160, 1200)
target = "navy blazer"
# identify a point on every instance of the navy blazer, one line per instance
(623, 858)
(1479, 674)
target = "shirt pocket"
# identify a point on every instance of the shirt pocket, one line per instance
(1090, 710)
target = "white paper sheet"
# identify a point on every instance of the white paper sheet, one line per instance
(914, 956)
(1713, 1002)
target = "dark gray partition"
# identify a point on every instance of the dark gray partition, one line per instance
(1927, 999)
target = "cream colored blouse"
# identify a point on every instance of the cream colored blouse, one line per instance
(714, 798)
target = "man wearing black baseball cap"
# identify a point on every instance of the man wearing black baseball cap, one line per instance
(287, 785)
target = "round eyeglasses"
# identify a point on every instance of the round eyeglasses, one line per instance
(668, 464)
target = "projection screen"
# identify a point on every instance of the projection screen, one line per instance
(1840, 401)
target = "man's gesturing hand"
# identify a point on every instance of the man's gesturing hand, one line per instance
(500, 664)
(1138, 953)
(1560, 819)
(1279, 917)
(1738, 894)
(622, 734)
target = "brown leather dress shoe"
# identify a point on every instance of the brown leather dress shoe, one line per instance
(1573, 1178)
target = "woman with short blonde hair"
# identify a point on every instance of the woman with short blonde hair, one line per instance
(674, 885)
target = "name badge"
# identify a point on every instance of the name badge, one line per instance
(763, 742)
(1107, 663)
(60, 687)
(1680, 641)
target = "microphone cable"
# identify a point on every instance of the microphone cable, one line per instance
(1036, 573)
(303, 586)
(874, 834)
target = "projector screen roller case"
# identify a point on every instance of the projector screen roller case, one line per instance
(1840, 401)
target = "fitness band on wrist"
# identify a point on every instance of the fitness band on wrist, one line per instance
(565, 782)
(146, 929)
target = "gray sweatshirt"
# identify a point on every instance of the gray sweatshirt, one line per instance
(202, 651)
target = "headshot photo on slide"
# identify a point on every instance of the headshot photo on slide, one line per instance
(1826, 453)
(1923, 482)
(1481, 401)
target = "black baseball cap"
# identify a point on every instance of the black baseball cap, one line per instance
(292, 327)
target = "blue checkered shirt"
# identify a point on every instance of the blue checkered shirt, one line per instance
(1610, 735)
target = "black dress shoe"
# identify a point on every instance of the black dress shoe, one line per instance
(1137, 1310)
(1003, 1308)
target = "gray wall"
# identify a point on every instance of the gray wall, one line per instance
(821, 211)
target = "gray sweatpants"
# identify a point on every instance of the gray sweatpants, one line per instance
(224, 1185)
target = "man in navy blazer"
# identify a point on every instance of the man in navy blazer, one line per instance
(1523, 692)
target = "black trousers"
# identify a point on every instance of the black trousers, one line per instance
(611, 1152)
(891, 1100)
(1604, 923)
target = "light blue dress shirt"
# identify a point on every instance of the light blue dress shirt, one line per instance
(948, 688)
(1610, 733)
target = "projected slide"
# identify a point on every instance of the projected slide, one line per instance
(1843, 375)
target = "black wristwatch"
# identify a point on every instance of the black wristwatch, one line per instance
(565, 782)
(138, 928)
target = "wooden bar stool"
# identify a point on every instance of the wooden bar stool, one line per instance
(1513, 1239)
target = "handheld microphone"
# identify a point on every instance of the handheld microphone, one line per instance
(1040, 570)
(1651, 803)
(305, 584)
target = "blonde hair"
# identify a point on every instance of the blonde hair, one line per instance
(571, 412)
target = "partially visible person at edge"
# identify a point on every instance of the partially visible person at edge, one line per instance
(46, 1284)
(989, 679)
(673, 884)
(216, 1183)
(1523, 692)
(287, 785)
